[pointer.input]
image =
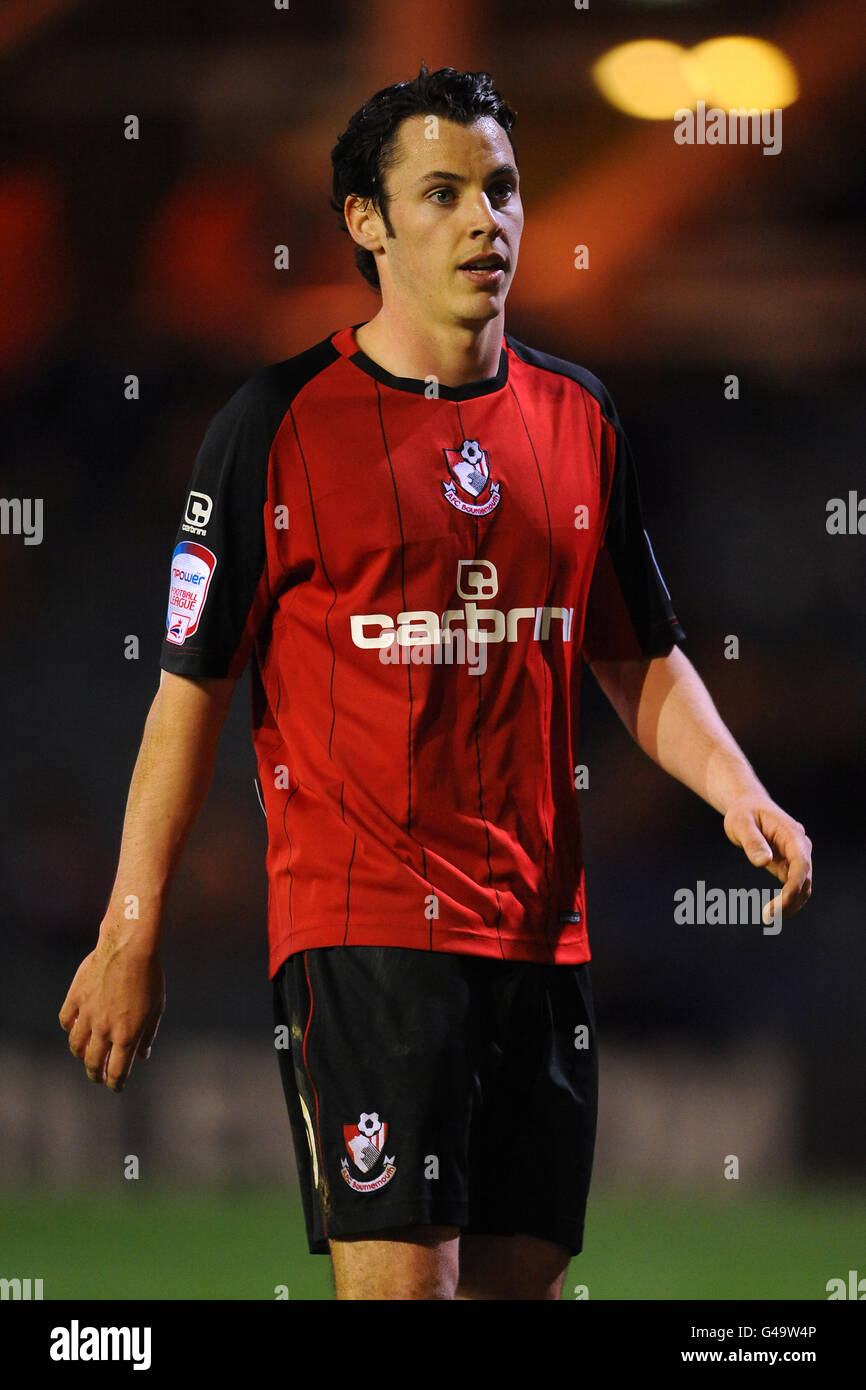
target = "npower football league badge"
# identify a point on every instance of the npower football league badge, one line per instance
(192, 566)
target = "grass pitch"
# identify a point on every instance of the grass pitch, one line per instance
(244, 1244)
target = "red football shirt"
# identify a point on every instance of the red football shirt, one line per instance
(416, 571)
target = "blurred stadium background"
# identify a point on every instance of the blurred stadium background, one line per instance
(155, 257)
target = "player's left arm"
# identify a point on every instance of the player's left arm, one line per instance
(668, 710)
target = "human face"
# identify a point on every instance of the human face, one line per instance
(450, 200)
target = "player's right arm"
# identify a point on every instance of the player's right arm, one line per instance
(115, 1001)
(219, 597)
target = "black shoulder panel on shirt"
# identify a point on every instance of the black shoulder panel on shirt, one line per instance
(278, 384)
(220, 551)
(561, 367)
(639, 583)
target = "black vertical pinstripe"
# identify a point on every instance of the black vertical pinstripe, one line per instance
(291, 855)
(351, 862)
(541, 651)
(333, 651)
(589, 432)
(285, 805)
(408, 663)
(477, 740)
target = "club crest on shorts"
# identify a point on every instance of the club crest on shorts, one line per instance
(469, 467)
(365, 1143)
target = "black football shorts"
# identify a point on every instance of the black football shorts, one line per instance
(436, 1088)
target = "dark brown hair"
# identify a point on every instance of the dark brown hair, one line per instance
(364, 152)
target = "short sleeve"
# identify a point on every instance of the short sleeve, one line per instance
(218, 591)
(629, 610)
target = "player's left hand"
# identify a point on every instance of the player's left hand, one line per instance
(773, 840)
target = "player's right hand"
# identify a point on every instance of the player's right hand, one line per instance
(112, 1011)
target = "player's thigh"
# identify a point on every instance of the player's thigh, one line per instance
(403, 1262)
(511, 1267)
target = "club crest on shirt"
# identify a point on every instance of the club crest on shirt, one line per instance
(469, 467)
(365, 1144)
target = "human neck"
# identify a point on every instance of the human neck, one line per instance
(454, 354)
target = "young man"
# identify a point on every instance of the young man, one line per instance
(416, 529)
